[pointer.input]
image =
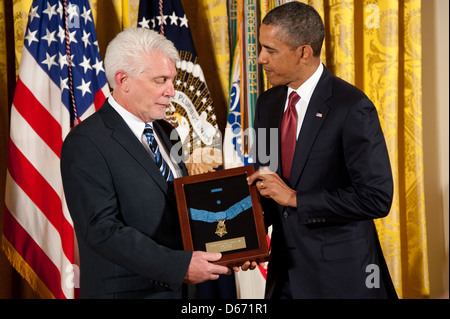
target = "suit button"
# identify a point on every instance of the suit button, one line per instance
(285, 214)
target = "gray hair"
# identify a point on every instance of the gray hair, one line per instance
(127, 51)
(300, 25)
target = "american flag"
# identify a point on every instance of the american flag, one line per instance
(61, 82)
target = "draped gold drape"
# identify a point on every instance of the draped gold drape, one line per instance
(374, 44)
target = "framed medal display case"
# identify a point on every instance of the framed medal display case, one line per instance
(220, 212)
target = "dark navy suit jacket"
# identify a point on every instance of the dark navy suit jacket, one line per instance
(124, 212)
(328, 246)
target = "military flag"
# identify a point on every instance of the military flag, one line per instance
(245, 88)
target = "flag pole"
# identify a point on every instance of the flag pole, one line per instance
(69, 65)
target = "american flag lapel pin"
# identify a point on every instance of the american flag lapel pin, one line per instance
(318, 114)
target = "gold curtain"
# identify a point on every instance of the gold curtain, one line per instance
(376, 45)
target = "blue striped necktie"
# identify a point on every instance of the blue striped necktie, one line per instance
(162, 165)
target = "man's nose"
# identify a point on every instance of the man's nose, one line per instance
(170, 90)
(262, 58)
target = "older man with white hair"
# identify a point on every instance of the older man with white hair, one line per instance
(117, 174)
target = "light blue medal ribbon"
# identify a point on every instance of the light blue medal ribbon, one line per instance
(220, 217)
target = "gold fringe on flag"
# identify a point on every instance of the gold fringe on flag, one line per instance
(25, 270)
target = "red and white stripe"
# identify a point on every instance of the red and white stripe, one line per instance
(38, 231)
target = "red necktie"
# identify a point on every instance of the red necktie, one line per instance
(289, 134)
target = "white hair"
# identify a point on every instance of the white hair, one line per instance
(128, 50)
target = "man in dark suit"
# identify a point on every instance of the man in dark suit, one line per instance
(118, 182)
(332, 171)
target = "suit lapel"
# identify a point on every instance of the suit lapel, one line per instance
(314, 118)
(125, 137)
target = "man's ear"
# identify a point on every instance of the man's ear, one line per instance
(121, 79)
(305, 53)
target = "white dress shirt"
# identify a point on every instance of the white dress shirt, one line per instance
(137, 126)
(305, 92)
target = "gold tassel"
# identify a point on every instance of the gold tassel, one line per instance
(25, 270)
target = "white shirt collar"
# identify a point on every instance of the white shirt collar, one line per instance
(134, 123)
(137, 126)
(306, 90)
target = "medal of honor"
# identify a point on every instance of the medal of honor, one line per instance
(221, 230)
(221, 217)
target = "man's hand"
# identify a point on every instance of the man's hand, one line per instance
(270, 185)
(248, 265)
(200, 269)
